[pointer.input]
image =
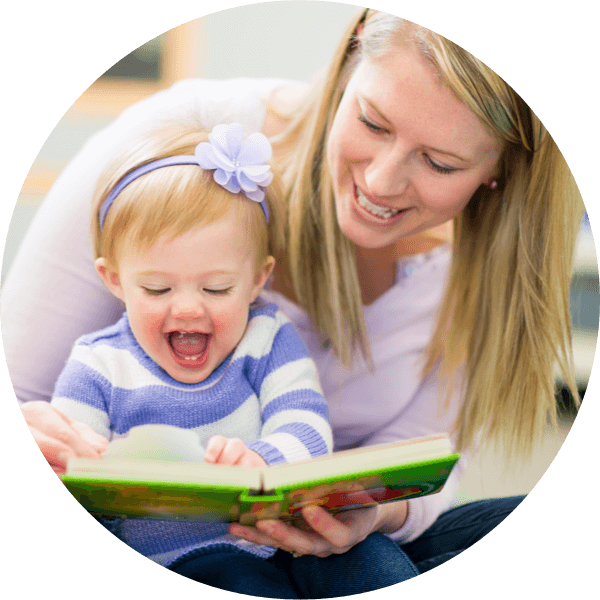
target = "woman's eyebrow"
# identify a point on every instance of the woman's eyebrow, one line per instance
(373, 106)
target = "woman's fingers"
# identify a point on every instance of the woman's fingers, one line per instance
(287, 537)
(327, 526)
(327, 534)
(276, 534)
(95, 440)
(59, 437)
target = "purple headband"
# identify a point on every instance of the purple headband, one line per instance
(239, 166)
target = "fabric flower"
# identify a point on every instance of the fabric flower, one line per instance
(239, 165)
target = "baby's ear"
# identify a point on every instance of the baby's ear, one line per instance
(110, 277)
(262, 277)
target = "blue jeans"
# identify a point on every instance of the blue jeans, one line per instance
(375, 563)
(458, 529)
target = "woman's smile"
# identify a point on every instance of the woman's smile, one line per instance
(404, 154)
(383, 213)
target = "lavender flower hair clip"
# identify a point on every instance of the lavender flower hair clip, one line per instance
(238, 165)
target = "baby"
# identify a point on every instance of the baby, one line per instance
(183, 240)
(183, 231)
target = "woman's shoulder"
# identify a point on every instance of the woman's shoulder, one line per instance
(281, 103)
(204, 103)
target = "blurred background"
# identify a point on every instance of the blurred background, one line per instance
(269, 40)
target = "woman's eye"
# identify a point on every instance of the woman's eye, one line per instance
(434, 165)
(222, 292)
(439, 168)
(155, 292)
(369, 124)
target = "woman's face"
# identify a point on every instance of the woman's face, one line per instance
(404, 153)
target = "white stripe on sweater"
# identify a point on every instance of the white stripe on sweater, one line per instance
(300, 374)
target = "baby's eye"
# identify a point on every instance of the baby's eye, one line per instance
(156, 292)
(214, 292)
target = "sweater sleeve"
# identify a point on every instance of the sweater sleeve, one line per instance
(82, 391)
(294, 412)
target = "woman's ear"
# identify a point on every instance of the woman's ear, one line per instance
(110, 277)
(262, 277)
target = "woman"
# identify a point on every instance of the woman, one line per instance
(431, 229)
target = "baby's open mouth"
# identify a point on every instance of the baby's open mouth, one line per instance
(188, 345)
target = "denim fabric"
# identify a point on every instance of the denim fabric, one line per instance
(458, 529)
(375, 563)
(226, 567)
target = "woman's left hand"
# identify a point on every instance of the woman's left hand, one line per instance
(319, 534)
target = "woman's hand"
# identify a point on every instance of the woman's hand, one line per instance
(321, 533)
(59, 437)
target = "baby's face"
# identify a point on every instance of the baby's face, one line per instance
(188, 299)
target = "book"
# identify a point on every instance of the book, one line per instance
(121, 486)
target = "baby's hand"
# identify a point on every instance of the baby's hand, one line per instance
(231, 451)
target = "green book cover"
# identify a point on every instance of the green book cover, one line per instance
(188, 491)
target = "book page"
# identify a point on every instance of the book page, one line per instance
(157, 442)
(362, 459)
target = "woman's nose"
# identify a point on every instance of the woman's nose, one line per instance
(388, 173)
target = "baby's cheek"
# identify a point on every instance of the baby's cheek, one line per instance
(229, 325)
(151, 323)
(150, 329)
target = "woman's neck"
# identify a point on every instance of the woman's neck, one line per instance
(377, 267)
(425, 241)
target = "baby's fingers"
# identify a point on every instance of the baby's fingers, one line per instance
(233, 451)
(214, 448)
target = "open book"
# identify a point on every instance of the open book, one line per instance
(186, 490)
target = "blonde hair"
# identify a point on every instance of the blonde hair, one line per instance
(171, 201)
(504, 322)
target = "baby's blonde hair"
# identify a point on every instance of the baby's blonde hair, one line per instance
(170, 201)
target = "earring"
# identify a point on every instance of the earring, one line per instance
(493, 184)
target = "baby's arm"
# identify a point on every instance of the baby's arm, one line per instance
(294, 413)
(80, 392)
(231, 451)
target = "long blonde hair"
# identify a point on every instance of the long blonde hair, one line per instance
(505, 320)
